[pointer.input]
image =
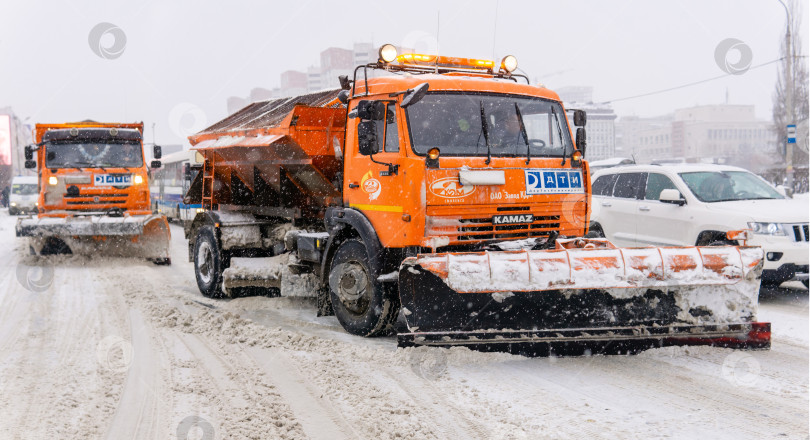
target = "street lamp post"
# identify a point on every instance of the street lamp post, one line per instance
(788, 99)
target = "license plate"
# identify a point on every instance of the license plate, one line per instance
(112, 180)
(512, 219)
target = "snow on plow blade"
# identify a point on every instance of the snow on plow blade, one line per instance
(144, 236)
(584, 295)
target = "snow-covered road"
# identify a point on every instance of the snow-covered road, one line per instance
(119, 349)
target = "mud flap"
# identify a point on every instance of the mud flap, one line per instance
(604, 295)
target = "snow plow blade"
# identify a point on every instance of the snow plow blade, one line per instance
(584, 296)
(145, 236)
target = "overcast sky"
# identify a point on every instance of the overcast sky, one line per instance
(182, 60)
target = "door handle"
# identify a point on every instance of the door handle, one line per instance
(606, 204)
(354, 185)
(643, 208)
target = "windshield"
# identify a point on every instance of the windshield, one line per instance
(723, 186)
(453, 123)
(93, 154)
(24, 189)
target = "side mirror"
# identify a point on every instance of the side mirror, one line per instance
(345, 84)
(367, 138)
(157, 152)
(671, 196)
(187, 171)
(582, 141)
(371, 110)
(29, 152)
(155, 164)
(580, 118)
(781, 189)
(415, 95)
(30, 164)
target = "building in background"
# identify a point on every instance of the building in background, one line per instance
(600, 122)
(644, 139)
(720, 133)
(14, 136)
(334, 62)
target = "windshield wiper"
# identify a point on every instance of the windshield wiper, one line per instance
(485, 130)
(559, 132)
(524, 134)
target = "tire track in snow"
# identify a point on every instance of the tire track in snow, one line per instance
(317, 415)
(144, 402)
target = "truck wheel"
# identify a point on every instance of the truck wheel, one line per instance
(363, 306)
(209, 262)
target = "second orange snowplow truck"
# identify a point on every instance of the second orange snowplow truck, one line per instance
(93, 193)
(448, 193)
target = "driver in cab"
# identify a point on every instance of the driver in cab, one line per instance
(506, 130)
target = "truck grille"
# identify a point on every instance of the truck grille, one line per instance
(800, 232)
(80, 200)
(475, 229)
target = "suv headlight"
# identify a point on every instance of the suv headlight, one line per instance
(767, 228)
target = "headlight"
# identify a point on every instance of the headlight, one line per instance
(13, 203)
(138, 179)
(764, 228)
(52, 180)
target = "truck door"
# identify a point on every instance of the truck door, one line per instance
(372, 186)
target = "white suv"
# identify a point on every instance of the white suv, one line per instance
(695, 204)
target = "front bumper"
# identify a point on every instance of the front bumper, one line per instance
(781, 251)
(785, 272)
(23, 208)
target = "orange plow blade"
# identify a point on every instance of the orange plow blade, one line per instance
(660, 295)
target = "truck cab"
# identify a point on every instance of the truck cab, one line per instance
(473, 160)
(88, 168)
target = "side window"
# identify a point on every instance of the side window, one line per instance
(657, 183)
(603, 185)
(391, 130)
(628, 185)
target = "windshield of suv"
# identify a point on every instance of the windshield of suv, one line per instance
(453, 123)
(93, 154)
(24, 189)
(723, 186)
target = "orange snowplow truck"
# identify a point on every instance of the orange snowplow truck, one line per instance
(444, 198)
(93, 193)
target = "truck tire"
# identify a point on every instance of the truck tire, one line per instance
(209, 262)
(362, 305)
